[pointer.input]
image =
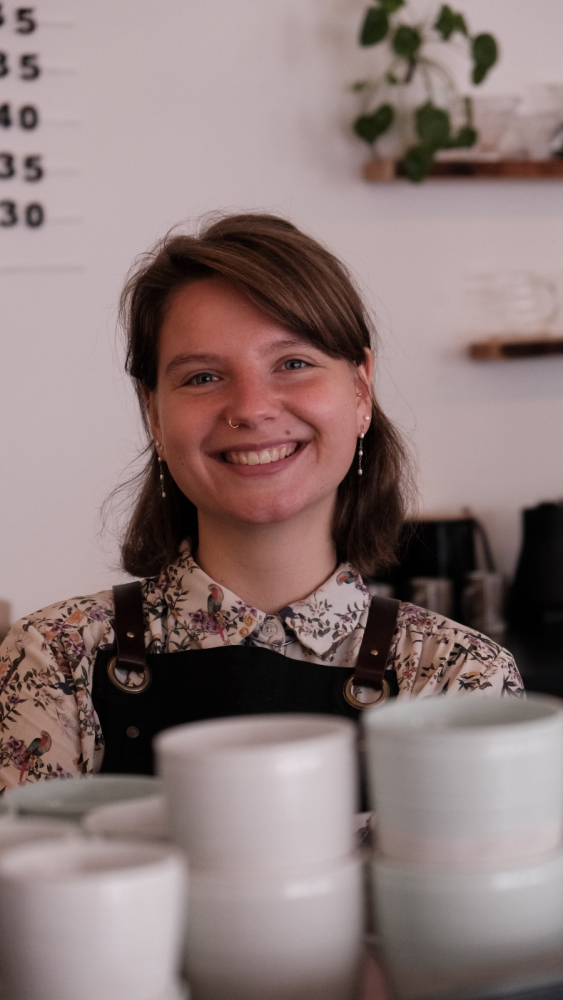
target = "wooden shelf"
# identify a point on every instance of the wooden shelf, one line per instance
(508, 348)
(380, 171)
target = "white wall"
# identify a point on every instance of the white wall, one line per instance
(188, 106)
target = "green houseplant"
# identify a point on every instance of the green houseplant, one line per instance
(410, 68)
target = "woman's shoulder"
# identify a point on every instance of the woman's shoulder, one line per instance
(437, 651)
(72, 613)
(420, 623)
(75, 626)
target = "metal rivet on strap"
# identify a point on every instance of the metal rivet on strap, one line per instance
(132, 732)
(130, 635)
(374, 652)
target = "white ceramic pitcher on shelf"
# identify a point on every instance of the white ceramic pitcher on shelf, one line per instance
(517, 303)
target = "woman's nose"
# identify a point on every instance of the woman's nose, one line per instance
(252, 401)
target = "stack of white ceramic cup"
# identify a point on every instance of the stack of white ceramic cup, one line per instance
(468, 870)
(264, 807)
(84, 920)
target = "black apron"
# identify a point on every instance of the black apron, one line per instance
(137, 694)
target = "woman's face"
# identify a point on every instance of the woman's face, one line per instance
(221, 358)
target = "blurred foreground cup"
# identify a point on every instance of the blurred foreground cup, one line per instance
(467, 781)
(87, 920)
(462, 934)
(261, 792)
(15, 831)
(276, 936)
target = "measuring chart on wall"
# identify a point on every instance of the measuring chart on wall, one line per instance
(40, 214)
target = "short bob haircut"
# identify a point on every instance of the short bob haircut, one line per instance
(297, 282)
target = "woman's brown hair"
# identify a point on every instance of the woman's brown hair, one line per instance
(296, 281)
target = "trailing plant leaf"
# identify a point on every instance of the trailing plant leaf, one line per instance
(448, 22)
(416, 163)
(391, 5)
(464, 139)
(432, 125)
(375, 26)
(485, 53)
(408, 60)
(371, 127)
(406, 41)
(359, 85)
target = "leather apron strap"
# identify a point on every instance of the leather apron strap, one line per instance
(130, 626)
(367, 685)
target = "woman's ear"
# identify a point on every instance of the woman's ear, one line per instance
(363, 379)
(367, 368)
(364, 393)
(152, 413)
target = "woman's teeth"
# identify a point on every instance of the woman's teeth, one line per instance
(263, 457)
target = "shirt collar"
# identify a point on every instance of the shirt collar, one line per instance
(202, 614)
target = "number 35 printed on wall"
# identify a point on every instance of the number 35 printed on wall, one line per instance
(14, 115)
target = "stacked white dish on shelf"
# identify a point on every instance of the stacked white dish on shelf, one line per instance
(264, 808)
(467, 873)
(80, 918)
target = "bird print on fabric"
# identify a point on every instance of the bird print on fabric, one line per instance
(214, 606)
(40, 745)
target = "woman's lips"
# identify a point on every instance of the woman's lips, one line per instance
(264, 468)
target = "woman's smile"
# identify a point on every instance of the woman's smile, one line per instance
(259, 460)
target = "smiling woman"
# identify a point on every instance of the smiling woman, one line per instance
(275, 487)
(262, 293)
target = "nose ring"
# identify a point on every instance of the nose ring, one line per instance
(234, 426)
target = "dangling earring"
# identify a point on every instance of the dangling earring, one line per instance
(158, 447)
(161, 477)
(361, 449)
(361, 454)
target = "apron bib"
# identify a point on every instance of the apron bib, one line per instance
(137, 694)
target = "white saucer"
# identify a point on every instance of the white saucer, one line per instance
(73, 797)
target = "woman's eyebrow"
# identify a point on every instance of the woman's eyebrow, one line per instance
(291, 342)
(189, 359)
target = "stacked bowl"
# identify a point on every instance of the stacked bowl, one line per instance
(467, 873)
(83, 919)
(264, 808)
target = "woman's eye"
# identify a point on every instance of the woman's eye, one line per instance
(294, 364)
(202, 378)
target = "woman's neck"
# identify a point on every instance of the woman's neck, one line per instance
(269, 566)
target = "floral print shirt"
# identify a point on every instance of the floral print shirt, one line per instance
(48, 726)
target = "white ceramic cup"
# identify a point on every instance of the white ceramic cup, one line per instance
(140, 819)
(86, 920)
(467, 781)
(16, 830)
(451, 932)
(281, 936)
(261, 791)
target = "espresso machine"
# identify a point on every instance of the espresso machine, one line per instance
(445, 564)
(537, 591)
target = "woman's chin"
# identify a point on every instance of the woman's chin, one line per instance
(274, 510)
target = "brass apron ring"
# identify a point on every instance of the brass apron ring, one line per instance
(379, 696)
(128, 685)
